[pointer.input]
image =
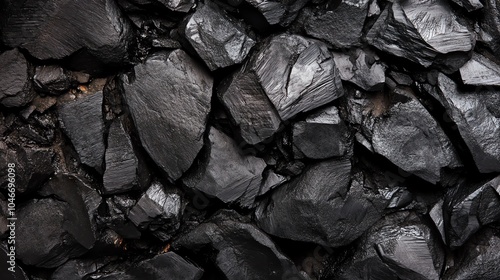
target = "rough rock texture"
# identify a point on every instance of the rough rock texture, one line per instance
(79, 269)
(51, 79)
(170, 89)
(342, 26)
(178, 5)
(15, 89)
(478, 125)
(470, 5)
(480, 71)
(297, 74)
(57, 29)
(227, 173)
(410, 138)
(249, 107)
(85, 112)
(158, 210)
(404, 30)
(361, 68)
(60, 222)
(319, 206)
(217, 38)
(242, 250)
(321, 135)
(278, 11)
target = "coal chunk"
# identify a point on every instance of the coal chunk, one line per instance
(321, 206)
(6, 261)
(178, 5)
(278, 11)
(241, 250)
(52, 79)
(15, 89)
(480, 71)
(116, 217)
(60, 222)
(341, 26)
(169, 101)
(361, 68)
(297, 74)
(249, 107)
(85, 112)
(158, 211)
(218, 39)
(227, 173)
(411, 139)
(60, 28)
(470, 5)
(420, 30)
(478, 125)
(79, 269)
(322, 135)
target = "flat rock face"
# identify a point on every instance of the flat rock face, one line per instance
(419, 30)
(85, 111)
(410, 138)
(480, 71)
(297, 74)
(319, 207)
(227, 173)
(361, 68)
(51, 79)
(170, 89)
(158, 211)
(57, 29)
(169, 264)
(249, 107)
(321, 135)
(15, 88)
(278, 12)
(243, 251)
(342, 27)
(478, 125)
(217, 38)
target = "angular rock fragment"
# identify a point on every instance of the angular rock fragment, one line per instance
(122, 165)
(227, 173)
(361, 68)
(51, 79)
(399, 247)
(410, 138)
(477, 123)
(278, 11)
(169, 101)
(420, 30)
(320, 206)
(321, 135)
(342, 26)
(478, 259)
(60, 28)
(249, 107)
(116, 217)
(489, 26)
(178, 5)
(79, 269)
(241, 250)
(480, 71)
(85, 112)
(271, 181)
(15, 89)
(218, 39)
(60, 222)
(297, 74)
(158, 211)
(470, 5)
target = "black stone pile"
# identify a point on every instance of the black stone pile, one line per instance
(250, 139)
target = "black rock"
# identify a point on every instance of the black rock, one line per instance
(6, 262)
(116, 218)
(60, 28)
(341, 26)
(158, 211)
(169, 101)
(480, 71)
(60, 222)
(361, 68)
(278, 11)
(249, 107)
(79, 269)
(321, 206)
(420, 30)
(51, 79)
(178, 5)
(217, 38)
(322, 135)
(470, 5)
(401, 246)
(227, 173)
(297, 74)
(489, 31)
(411, 139)
(271, 180)
(85, 112)
(477, 123)
(15, 89)
(241, 250)
(122, 165)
